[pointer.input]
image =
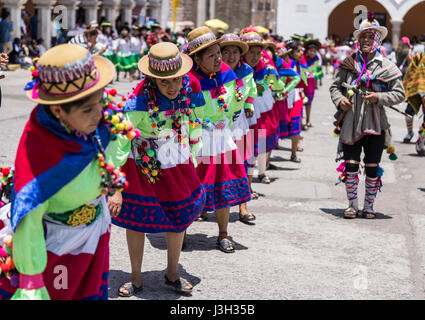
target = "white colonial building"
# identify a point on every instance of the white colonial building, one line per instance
(336, 17)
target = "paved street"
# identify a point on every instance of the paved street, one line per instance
(300, 247)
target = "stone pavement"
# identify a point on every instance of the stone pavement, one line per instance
(300, 246)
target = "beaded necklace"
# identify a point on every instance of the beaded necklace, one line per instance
(113, 179)
(147, 160)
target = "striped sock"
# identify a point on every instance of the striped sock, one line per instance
(370, 194)
(351, 183)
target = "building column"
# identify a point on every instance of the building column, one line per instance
(396, 32)
(201, 13)
(15, 8)
(71, 8)
(212, 9)
(141, 5)
(127, 6)
(155, 7)
(111, 10)
(90, 7)
(45, 19)
(165, 9)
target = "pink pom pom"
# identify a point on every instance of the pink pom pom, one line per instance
(341, 167)
(137, 132)
(3, 253)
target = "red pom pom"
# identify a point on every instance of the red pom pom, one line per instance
(5, 172)
(1, 224)
(4, 267)
(113, 92)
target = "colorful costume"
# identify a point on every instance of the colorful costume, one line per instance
(265, 121)
(240, 127)
(135, 48)
(105, 40)
(220, 168)
(365, 125)
(60, 220)
(165, 194)
(125, 61)
(289, 113)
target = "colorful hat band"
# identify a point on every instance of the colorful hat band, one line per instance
(62, 89)
(252, 38)
(197, 42)
(70, 72)
(230, 37)
(165, 67)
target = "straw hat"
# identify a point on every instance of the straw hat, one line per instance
(252, 39)
(67, 73)
(370, 24)
(200, 39)
(270, 44)
(231, 39)
(165, 61)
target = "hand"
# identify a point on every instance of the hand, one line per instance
(114, 204)
(371, 97)
(345, 104)
(4, 59)
(249, 113)
(260, 89)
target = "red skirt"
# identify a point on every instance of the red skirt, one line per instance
(224, 180)
(170, 204)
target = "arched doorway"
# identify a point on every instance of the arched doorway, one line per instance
(412, 21)
(341, 20)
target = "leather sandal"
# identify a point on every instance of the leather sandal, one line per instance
(130, 288)
(247, 218)
(224, 244)
(179, 285)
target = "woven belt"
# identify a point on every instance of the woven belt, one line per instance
(84, 215)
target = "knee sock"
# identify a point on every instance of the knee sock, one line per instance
(351, 184)
(371, 189)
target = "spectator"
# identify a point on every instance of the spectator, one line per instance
(6, 28)
(4, 60)
(41, 47)
(33, 25)
(419, 47)
(34, 51)
(18, 54)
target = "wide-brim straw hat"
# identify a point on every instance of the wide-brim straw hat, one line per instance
(67, 73)
(201, 38)
(165, 61)
(270, 44)
(231, 39)
(252, 39)
(372, 25)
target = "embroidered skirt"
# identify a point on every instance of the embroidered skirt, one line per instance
(170, 204)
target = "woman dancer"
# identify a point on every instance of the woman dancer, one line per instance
(165, 194)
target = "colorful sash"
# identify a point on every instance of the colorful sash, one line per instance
(48, 158)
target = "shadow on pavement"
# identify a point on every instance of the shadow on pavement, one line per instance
(194, 241)
(340, 212)
(421, 189)
(154, 287)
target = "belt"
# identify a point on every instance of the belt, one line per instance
(84, 215)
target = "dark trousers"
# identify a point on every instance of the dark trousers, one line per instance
(372, 145)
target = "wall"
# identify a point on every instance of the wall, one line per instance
(414, 21)
(341, 20)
